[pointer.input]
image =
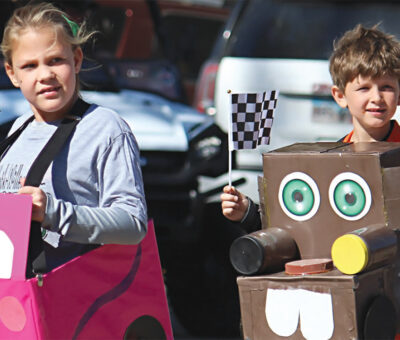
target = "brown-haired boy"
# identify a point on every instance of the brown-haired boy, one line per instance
(365, 70)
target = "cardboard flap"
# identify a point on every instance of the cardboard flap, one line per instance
(15, 223)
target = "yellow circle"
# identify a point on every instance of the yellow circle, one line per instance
(349, 254)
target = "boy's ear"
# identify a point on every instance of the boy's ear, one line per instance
(339, 96)
(78, 57)
(11, 74)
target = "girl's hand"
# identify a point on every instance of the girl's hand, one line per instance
(39, 200)
(234, 204)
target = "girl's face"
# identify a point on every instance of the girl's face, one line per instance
(45, 70)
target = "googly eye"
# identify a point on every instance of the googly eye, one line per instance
(350, 196)
(299, 196)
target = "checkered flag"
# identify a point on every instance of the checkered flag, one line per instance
(252, 116)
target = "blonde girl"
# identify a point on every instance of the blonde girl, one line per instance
(92, 193)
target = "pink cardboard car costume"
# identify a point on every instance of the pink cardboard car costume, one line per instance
(111, 292)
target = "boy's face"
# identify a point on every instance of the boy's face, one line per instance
(372, 102)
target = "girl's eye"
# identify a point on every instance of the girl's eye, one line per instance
(299, 196)
(350, 196)
(28, 66)
(56, 60)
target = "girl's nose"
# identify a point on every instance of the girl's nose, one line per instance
(45, 73)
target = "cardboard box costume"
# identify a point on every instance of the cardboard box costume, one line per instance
(328, 197)
(111, 292)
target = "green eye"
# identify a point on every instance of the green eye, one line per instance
(350, 196)
(299, 196)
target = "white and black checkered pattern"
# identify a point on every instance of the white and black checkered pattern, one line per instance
(252, 116)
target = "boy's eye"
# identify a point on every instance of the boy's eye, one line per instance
(388, 88)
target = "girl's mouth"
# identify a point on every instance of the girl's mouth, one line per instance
(49, 90)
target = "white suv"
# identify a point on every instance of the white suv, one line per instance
(285, 45)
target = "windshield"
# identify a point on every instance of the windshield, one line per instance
(305, 29)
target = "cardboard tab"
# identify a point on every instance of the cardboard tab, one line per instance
(15, 224)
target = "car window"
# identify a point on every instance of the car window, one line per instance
(110, 22)
(304, 28)
(193, 39)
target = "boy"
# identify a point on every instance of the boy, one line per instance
(365, 70)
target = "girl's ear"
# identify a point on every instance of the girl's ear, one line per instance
(11, 74)
(78, 57)
(339, 96)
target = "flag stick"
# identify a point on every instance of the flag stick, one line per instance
(230, 142)
(230, 168)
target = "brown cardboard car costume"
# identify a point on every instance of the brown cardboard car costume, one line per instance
(317, 201)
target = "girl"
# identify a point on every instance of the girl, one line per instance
(93, 191)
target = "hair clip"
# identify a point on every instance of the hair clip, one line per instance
(74, 26)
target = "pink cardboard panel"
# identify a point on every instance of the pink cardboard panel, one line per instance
(100, 294)
(15, 221)
(18, 311)
(108, 293)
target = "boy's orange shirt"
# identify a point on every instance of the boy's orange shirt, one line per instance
(394, 135)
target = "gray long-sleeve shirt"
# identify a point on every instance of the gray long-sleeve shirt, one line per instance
(94, 186)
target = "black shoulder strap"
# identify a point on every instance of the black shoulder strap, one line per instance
(55, 144)
(6, 143)
(36, 262)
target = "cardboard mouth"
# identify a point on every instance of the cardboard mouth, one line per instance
(284, 308)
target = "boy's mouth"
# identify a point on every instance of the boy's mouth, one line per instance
(377, 111)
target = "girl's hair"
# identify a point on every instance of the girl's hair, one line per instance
(363, 51)
(41, 15)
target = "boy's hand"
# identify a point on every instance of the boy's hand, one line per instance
(39, 200)
(234, 204)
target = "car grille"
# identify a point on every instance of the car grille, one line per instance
(162, 162)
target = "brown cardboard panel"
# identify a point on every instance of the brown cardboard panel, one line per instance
(351, 299)
(365, 305)
(391, 191)
(391, 176)
(389, 152)
(261, 189)
(311, 147)
(316, 235)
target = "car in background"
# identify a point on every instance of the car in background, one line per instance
(183, 32)
(284, 45)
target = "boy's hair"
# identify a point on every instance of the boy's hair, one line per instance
(368, 52)
(38, 16)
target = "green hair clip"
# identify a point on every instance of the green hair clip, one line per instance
(74, 26)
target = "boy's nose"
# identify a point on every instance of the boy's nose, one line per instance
(376, 95)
